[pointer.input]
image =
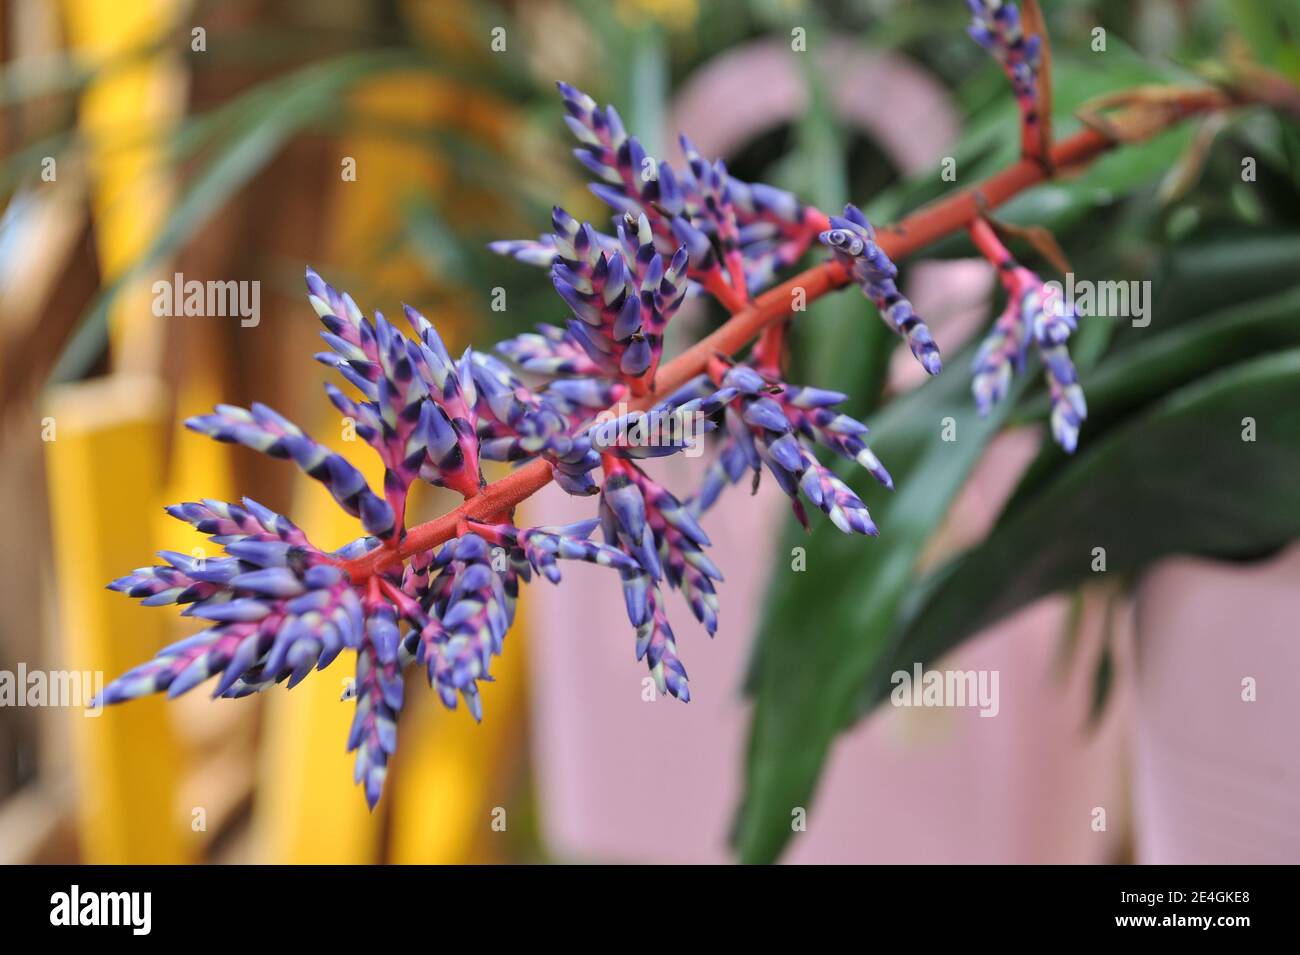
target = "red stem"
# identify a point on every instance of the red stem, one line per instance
(713, 282)
(986, 240)
(929, 224)
(770, 348)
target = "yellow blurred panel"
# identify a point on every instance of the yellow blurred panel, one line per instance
(124, 115)
(368, 210)
(447, 765)
(200, 467)
(306, 808)
(103, 468)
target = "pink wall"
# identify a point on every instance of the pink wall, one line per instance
(1217, 778)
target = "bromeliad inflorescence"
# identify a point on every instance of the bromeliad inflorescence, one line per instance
(441, 596)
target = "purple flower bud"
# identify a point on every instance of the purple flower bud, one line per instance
(853, 241)
(1031, 314)
(996, 26)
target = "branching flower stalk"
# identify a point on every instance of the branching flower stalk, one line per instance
(914, 232)
(574, 405)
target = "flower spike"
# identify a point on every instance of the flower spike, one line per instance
(1035, 312)
(852, 239)
(771, 425)
(997, 26)
(263, 430)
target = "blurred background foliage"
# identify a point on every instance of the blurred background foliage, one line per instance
(224, 162)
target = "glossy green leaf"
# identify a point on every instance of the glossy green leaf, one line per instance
(1182, 478)
(1159, 363)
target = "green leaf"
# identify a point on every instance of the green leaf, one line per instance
(826, 629)
(1159, 363)
(1134, 377)
(1196, 279)
(1103, 677)
(1179, 479)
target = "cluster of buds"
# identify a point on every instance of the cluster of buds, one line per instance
(737, 235)
(773, 425)
(621, 299)
(516, 423)
(1034, 312)
(278, 607)
(441, 597)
